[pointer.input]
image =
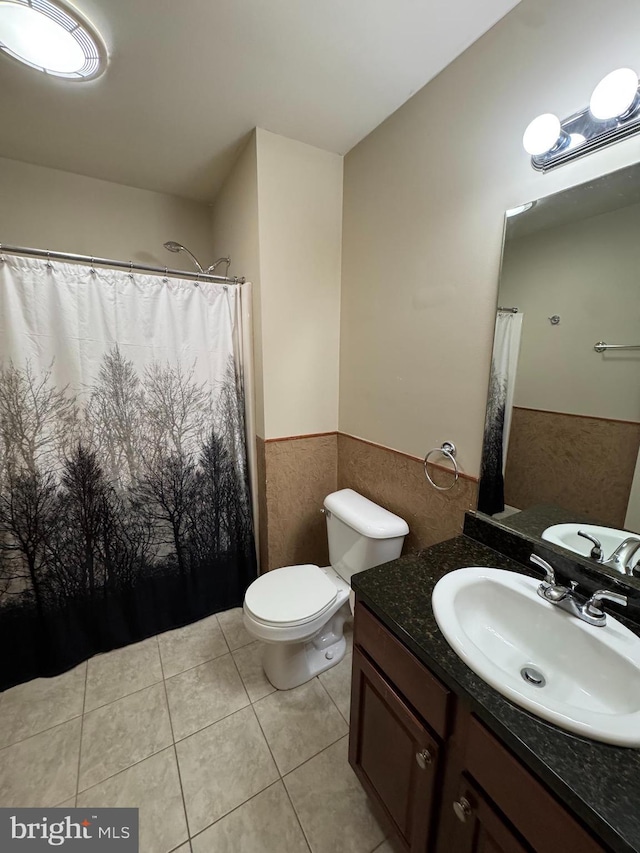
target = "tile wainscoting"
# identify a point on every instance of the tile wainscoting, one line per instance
(580, 463)
(299, 472)
(296, 473)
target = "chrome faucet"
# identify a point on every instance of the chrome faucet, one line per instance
(565, 597)
(622, 556)
(621, 559)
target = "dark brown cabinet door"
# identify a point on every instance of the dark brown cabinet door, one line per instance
(393, 754)
(474, 826)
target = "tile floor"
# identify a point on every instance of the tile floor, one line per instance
(186, 727)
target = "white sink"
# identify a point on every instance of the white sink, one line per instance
(566, 535)
(495, 621)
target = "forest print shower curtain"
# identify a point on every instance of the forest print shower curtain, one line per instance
(124, 499)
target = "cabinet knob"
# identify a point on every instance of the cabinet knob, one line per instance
(462, 809)
(424, 758)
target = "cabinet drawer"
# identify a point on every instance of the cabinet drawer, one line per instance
(414, 681)
(535, 813)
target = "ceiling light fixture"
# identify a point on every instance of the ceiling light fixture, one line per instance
(51, 37)
(612, 115)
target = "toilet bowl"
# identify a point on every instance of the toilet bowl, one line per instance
(299, 612)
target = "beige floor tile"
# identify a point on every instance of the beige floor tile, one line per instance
(348, 635)
(233, 628)
(42, 770)
(122, 671)
(333, 808)
(249, 662)
(222, 766)
(118, 735)
(185, 848)
(153, 787)
(264, 824)
(299, 723)
(192, 645)
(68, 804)
(204, 695)
(41, 704)
(337, 681)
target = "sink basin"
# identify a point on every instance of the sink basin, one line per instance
(583, 678)
(566, 535)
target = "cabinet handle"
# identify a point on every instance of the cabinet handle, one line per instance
(462, 809)
(424, 758)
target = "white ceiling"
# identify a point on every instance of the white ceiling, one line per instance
(188, 81)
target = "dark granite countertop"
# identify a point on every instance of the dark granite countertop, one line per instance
(535, 520)
(598, 782)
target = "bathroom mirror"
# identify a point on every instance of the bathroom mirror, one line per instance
(562, 434)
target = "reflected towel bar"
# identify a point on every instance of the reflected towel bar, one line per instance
(602, 347)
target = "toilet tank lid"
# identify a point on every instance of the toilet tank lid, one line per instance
(364, 516)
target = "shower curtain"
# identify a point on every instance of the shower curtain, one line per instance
(504, 364)
(124, 501)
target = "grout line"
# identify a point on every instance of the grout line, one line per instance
(84, 702)
(273, 758)
(175, 750)
(329, 692)
(196, 665)
(124, 770)
(324, 749)
(41, 732)
(295, 811)
(126, 695)
(235, 809)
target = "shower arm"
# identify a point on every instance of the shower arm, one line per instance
(211, 269)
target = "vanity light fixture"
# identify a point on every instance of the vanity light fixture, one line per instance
(613, 114)
(51, 37)
(521, 208)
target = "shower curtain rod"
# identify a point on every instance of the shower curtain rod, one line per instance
(108, 262)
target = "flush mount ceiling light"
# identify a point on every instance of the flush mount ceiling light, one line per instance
(51, 37)
(613, 114)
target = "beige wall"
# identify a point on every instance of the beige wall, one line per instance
(424, 198)
(300, 227)
(235, 223)
(587, 273)
(50, 209)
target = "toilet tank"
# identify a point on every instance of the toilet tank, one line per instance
(361, 534)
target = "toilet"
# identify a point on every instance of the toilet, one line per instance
(299, 612)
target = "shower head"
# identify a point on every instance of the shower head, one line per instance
(172, 246)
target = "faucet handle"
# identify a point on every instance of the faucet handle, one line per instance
(592, 609)
(596, 551)
(549, 572)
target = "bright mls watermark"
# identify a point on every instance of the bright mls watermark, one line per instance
(79, 830)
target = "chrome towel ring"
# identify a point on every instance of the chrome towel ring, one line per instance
(448, 449)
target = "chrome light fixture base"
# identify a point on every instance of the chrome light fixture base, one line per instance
(613, 114)
(585, 134)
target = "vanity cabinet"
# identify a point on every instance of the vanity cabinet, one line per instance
(441, 781)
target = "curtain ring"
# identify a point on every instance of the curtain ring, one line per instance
(49, 264)
(166, 273)
(130, 269)
(1, 255)
(448, 449)
(197, 281)
(92, 268)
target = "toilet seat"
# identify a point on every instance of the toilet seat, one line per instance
(292, 595)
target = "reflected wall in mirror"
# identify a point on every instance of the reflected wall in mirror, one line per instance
(562, 435)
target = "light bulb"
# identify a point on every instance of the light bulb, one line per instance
(542, 134)
(614, 95)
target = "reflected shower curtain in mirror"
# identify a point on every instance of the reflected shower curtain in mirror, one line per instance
(124, 498)
(504, 365)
